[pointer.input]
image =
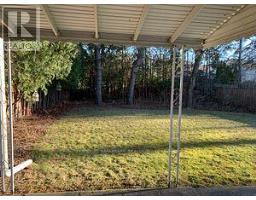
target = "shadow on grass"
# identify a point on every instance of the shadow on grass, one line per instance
(202, 129)
(39, 155)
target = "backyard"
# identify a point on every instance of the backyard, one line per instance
(99, 148)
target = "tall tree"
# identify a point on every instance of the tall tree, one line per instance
(76, 78)
(249, 53)
(35, 70)
(99, 70)
(240, 49)
(139, 61)
(198, 58)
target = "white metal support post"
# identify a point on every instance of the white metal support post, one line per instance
(180, 113)
(178, 138)
(10, 115)
(171, 117)
(7, 170)
(3, 120)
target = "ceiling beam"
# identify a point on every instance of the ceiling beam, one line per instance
(96, 21)
(226, 21)
(230, 37)
(240, 25)
(108, 38)
(193, 13)
(141, 22)
(238, 21)
(50, 19)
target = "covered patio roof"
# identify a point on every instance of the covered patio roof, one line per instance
(144, 24)
(197, 26)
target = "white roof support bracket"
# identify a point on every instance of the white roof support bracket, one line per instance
(50, 19)
(188, 19)
(141, 22)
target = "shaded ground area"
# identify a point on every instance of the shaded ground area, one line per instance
(92, 148)
(214, 191)
(183, 191)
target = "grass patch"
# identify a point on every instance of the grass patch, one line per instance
(94, 148)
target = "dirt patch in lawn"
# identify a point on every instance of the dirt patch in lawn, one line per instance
(27, 130)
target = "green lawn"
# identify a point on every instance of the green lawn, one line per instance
(94, 148)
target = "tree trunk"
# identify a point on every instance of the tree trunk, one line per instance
(99, 70)
(187, 62)
(239, 61)
(135, 65)
(123, 75)
(192, 83)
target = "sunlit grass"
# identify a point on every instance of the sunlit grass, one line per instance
(108, 148)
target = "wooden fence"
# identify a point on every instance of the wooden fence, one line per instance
(238, 97)
(53, 98)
